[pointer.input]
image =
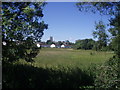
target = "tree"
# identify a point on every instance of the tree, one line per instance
(115, 31)
(59, 43)
(21, 28)
(100, 34)
(111, 70)
(49, 42)
(106, 8)
(85, 44)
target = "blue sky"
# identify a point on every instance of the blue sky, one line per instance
(66, 22)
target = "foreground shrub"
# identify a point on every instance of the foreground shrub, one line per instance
(26, 76)
(107, 74)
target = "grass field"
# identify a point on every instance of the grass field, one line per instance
(54, 57)
(54, 67)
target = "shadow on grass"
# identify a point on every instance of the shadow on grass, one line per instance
(26, 76)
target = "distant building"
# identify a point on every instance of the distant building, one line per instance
(51, 38)
(63, 46)
(68, 46)
(58, 46)
(52, 45)
(45, 45)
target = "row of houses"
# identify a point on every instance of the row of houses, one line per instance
(45, 45)
(54, 46)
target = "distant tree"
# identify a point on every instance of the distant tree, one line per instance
(49, 42)
(106, 8)
(111, 46)
(59, 42)
(100, 33)
(90, 43)
(115, 32)
(84, 44)
(21, 28)
(67, 42)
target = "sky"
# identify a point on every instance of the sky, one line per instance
(66, 22)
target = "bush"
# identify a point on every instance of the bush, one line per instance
(107, 74)
(26, 76)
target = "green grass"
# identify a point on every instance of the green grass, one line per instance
(59, 68)
(54, 57)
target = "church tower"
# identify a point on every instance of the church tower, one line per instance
(51, 38)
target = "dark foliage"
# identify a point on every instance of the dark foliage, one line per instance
(26, 76)
(21, 28)
(107, 75)
(85, 44)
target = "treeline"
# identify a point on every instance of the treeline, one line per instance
(90, 44)
(103, 43)
(108, 74)
(84, 44)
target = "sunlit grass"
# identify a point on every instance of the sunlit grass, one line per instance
(57, 68)
(54, 57)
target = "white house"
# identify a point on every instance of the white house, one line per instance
(62, 46)
(52, 45)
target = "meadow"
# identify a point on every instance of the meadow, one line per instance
(55, 68)
(54, 57)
